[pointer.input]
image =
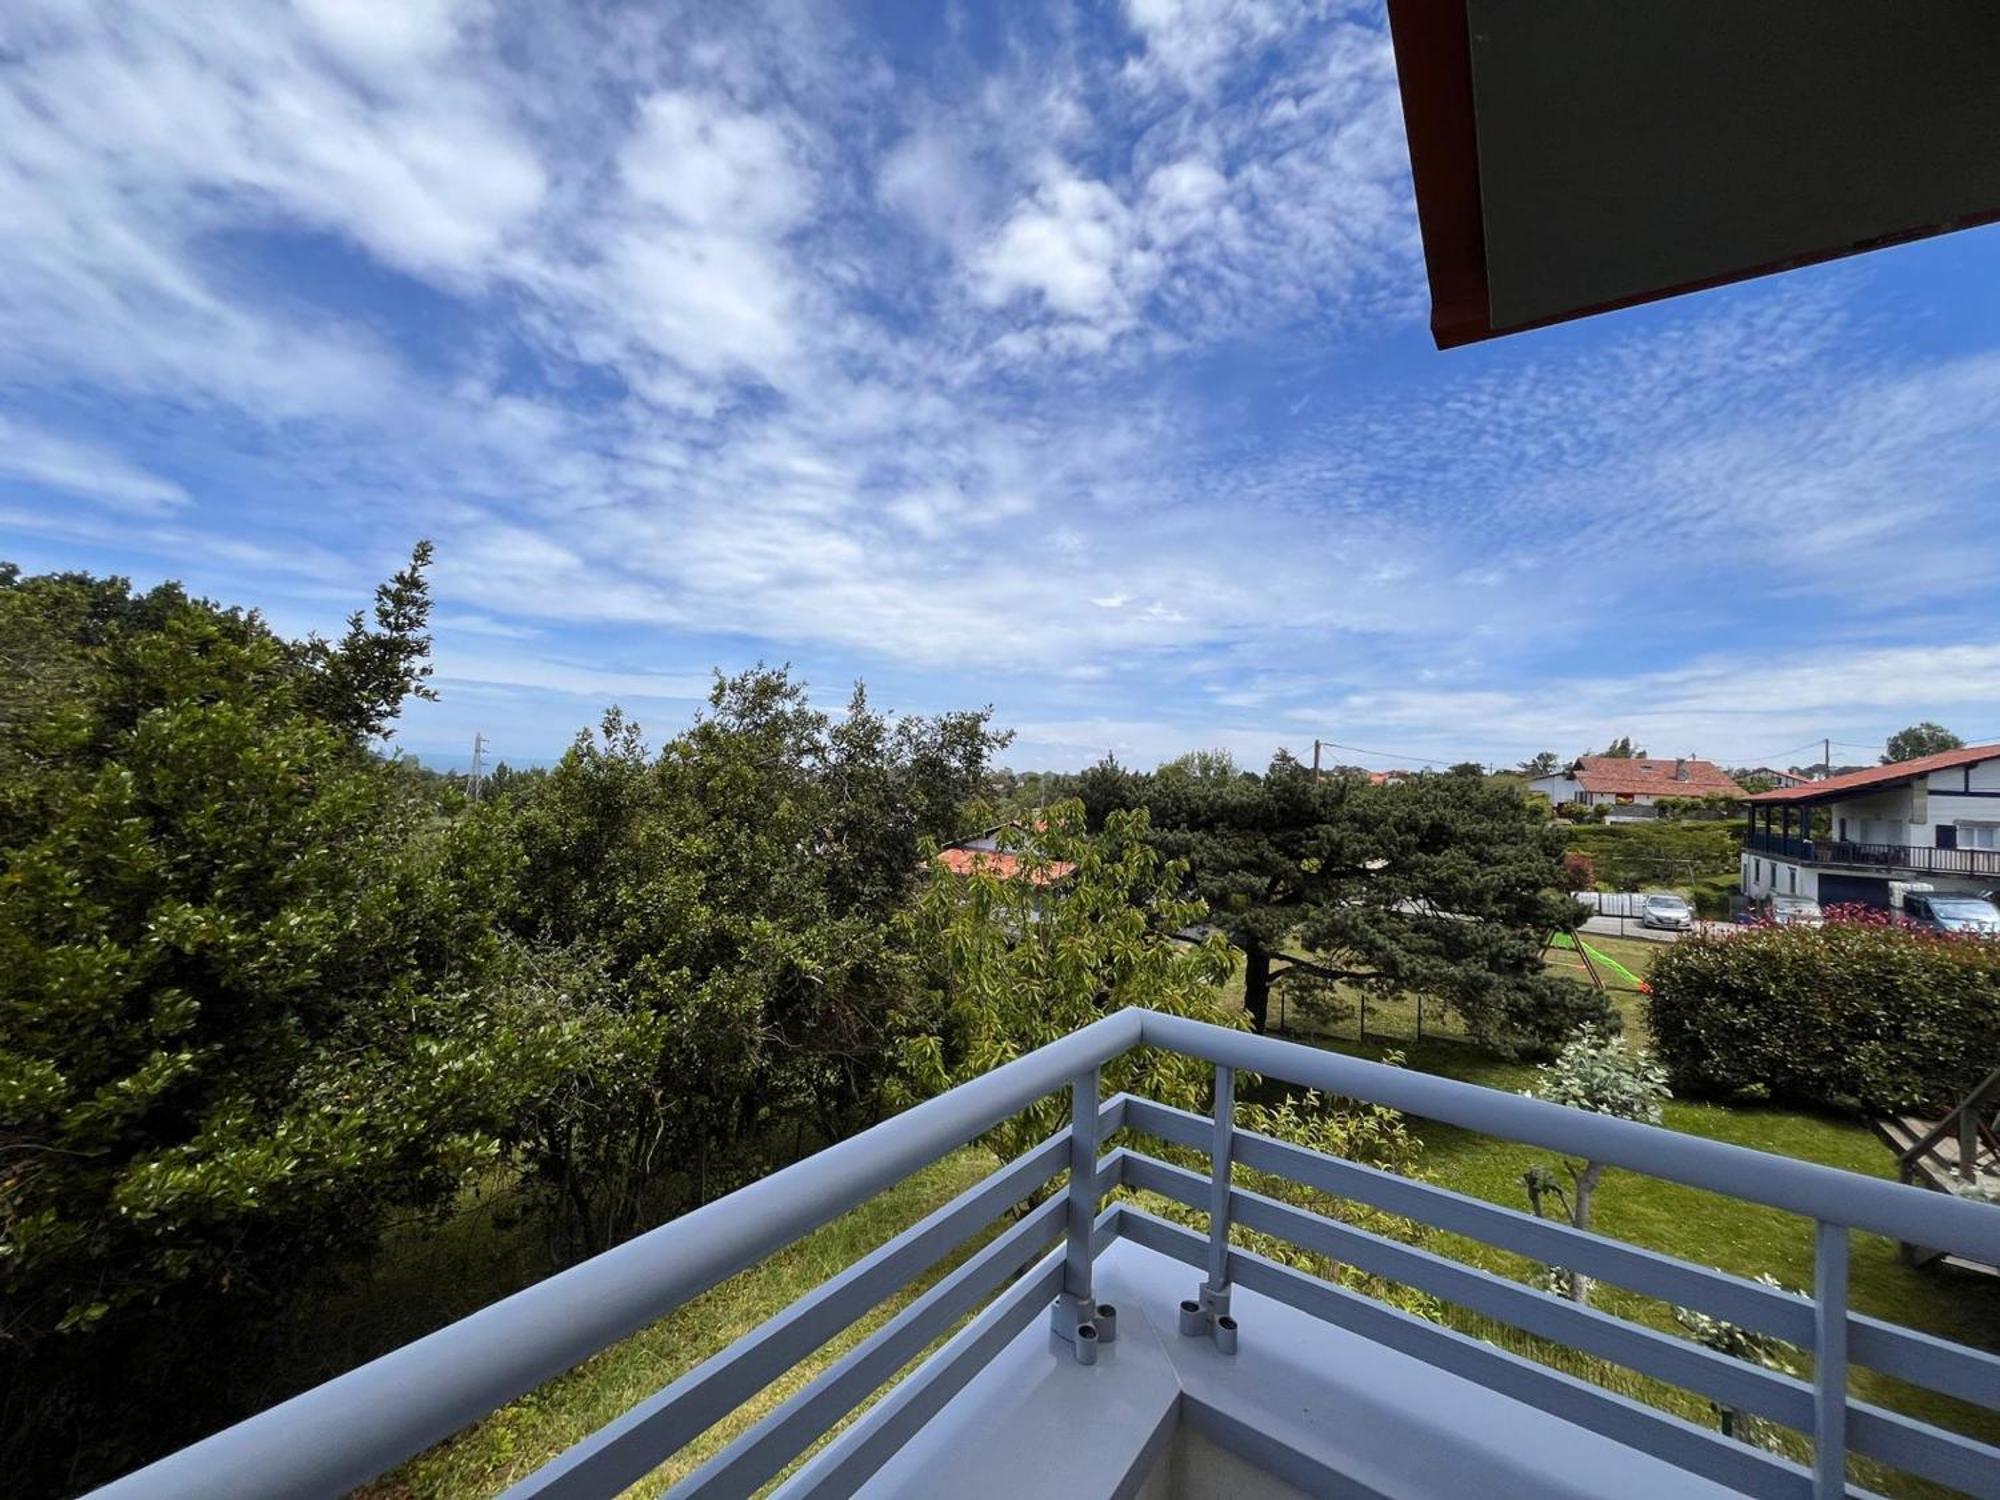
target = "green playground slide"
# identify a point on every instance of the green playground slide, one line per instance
(1570, 940)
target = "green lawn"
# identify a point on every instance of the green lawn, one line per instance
(1697, 1226)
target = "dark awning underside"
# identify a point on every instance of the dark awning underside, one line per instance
(1573, 156)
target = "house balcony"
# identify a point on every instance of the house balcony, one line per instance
(1086, 1346)
(1916, 859)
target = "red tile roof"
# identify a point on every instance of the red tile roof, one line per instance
(1651, 776)
(1877, 776)
(1003, 864)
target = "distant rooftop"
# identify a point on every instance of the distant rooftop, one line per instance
(1876, 777)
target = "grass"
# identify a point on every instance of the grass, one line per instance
(1705, 1228)
(525, 1434)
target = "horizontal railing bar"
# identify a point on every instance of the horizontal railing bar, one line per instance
(1733, 1382)
(1645, 1428)
(783, 1434)
(754, 1456)
(845, 1464)
(1922, 1359)
(1826, 1193)
(1180, 1127)
(1944, 1457)
(329, 1439)
(1676, 1361)
(626, 1450)
(1744, 1302)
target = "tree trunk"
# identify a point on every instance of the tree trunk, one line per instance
(1586, 1184)
(1257, 985)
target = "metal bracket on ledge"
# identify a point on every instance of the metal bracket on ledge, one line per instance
(1207, 1314)
(1083, 1325)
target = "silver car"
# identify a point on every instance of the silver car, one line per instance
(1665, 909)
(1939, 911)
(1796, 911)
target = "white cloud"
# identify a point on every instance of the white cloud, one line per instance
(576, 679)
(1194, 41)
(39, 457)
(1072, 245)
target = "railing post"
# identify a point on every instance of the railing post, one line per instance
(1829, 1360)
(1218, 1185)
(1076, 1318)
(1207, 1312)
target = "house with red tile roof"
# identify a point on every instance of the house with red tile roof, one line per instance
(1634, 780)
(1859, 837)
(982, 855)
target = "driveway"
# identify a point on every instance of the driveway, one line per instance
(1629, 927)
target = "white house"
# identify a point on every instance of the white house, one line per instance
(1634, 780)
(1934, 820)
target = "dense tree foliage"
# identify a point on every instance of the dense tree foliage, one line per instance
(265, 991)
(1927, 738)
(1089, 924)
(737, 892)
(1444, 885)
(240, 970)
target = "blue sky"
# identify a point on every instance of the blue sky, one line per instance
(1067, 358)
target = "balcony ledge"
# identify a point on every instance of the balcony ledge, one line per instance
(1303, 1408)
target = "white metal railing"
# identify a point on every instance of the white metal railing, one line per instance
(340, 1434)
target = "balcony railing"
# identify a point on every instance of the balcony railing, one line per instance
(1917, 857)
(342, 1433)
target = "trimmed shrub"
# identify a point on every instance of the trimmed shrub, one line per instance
(1846, 1015)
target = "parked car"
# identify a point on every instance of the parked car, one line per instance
(1795, 911)
(1943, 911)
(1665, 909)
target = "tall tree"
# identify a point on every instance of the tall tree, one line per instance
(1927, 738)
(361, 684)
(1085, 924)
(1545, 764)
(1445, 885)
(240, 976)
(739, 888)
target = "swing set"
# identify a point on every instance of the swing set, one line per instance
(1568, 940)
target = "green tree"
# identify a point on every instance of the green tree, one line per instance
(361, 684)
(241, 1018)
(1602, 1074)
(1547, 763)
(1927, 738)
(737, 891)
(1086, 925)
(1621, 749)
(1445, 885)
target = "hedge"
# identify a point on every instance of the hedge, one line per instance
(1846, 1016)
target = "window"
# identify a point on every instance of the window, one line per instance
(1947, 836)
(1978, 835)
(1792, 878)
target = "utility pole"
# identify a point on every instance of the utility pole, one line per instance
(1315, 760)
(473, 781)
(1826, 756)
